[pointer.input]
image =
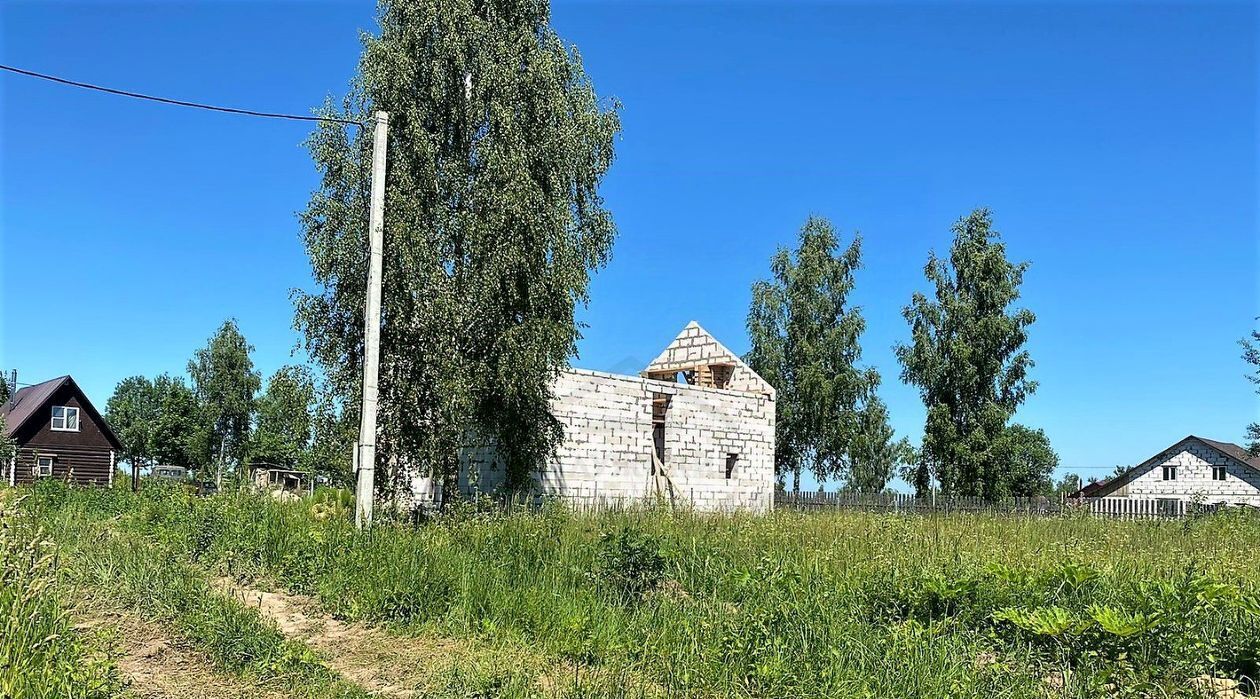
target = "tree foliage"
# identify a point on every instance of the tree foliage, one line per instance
(333, 436)
(282, 435)
(8, 446)
(224, 382)
(158, 421)
(1251, 355)
(132, 411)
(182, 435)
(1026, 461)
(1070, 483)
(493, 223)
(805, 341)
(966, 357)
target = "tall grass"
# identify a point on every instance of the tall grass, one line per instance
(141, 574)
(41, 653)
(793, 604)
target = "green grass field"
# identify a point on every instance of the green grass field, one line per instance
(652, 603)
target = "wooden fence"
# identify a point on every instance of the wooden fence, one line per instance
(1118, 508)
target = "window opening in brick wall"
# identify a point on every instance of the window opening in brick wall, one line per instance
(731, 460)
(1218, 473)
(1170, 473)
(660, 409)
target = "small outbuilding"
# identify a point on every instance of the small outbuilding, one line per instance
(270, 477)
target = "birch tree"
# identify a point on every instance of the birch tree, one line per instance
(967, 357)
(805, 337)
(493, 225)
(225, 383)
(282, 435)
(1251, 355)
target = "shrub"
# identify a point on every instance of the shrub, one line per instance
(630, 562)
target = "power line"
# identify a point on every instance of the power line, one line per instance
(178, 103)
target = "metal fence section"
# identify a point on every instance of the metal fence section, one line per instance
(1118, 508)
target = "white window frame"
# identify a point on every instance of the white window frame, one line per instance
(39, 466)
(1170, 473)
(1220, 471)
(65, 418)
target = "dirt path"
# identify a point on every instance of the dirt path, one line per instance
(384, 664)
(159, 666)
(399, 665)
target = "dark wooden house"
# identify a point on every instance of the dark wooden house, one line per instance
(59, 434)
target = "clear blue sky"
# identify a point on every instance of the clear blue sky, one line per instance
(1116, 143)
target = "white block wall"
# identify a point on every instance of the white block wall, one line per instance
(696, 346)
(1194, 462)
(606, 454)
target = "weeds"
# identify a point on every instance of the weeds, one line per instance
(793, 604)
(41, 653)
(630, 562)
(146, 576)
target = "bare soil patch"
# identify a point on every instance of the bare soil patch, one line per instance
(157, 665)
(385, 664)
(392, 664)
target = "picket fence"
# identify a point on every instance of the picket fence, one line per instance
(1117, 508)
(908, 503)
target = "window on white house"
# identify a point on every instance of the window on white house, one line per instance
(43, 466)
(1170, 473)
(731, 460)
(65, 418)
(1218, 473)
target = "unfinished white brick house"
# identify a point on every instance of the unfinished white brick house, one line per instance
(1192, 469)
(695, 428)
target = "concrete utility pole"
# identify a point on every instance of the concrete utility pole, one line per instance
(365, 485)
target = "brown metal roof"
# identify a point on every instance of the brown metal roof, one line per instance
(1227, 448)
(1089, 489)
(1233, 450)
(26, 402)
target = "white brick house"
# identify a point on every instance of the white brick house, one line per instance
(1192, 469)
(696, 427)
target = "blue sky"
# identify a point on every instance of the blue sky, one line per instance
(1115, 142)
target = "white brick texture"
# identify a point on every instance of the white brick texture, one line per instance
(1194, 462)
(606, 454)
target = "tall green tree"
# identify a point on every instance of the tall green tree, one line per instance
(805, 341)
(132, 411)
(876, 454)
(1070, 483)
(181, 435)
(1251, 355)
(332, 442)
(225, 383)
(282, 434)
(493, 224)
(968, 360)
(1027, 462)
